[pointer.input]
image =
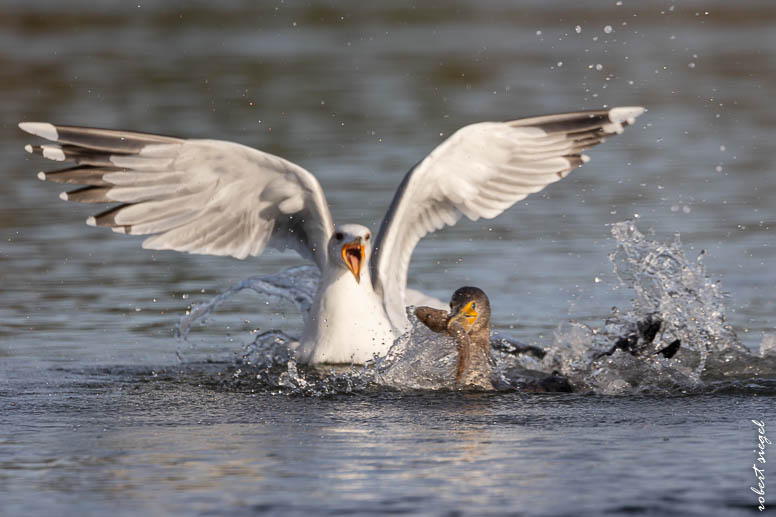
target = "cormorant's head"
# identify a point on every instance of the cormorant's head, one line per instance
(470, 307)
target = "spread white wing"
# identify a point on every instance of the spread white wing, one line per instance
(480, 171)
(199, 196)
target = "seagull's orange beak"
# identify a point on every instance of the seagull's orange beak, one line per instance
(353, 254)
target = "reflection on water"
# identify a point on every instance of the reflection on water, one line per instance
(358, 94)
(164, 442)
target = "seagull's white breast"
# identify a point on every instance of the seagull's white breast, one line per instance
(347, 323)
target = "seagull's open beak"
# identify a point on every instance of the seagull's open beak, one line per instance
(467, 316)
(353, 254)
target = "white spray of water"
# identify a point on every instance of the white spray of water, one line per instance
(667, 287)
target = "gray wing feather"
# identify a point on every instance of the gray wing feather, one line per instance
(198, 196)
(480, 171)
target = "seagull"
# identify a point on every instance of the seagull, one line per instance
(222, 198)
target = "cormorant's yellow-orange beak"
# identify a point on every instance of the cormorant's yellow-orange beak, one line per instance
(467, 316)
(353, 254)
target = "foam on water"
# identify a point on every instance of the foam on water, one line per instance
(668, 288)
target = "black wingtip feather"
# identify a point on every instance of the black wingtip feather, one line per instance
(92, 176)
(108, 217)
(88, 195)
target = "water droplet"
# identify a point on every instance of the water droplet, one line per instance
(578, 29)
(608, 29)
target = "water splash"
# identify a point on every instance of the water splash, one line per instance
(295, 284)
(768, 345)
(268, 350)
(673, 296)
(675, 288)
(419, 359)
(670, 289)
(579, 353)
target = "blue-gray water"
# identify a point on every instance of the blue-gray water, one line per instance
(98, 415)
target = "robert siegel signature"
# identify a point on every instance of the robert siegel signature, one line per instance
(759, 473)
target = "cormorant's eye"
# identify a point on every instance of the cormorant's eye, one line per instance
(474, 306)
(339, 236)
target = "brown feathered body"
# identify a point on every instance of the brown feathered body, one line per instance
(473, 340)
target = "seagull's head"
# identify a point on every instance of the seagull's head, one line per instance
(470, 307)
(350, 246)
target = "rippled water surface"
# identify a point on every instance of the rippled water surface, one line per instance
(103, 410)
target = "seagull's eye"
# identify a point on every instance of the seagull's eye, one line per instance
(368, 235)
(339, 236)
